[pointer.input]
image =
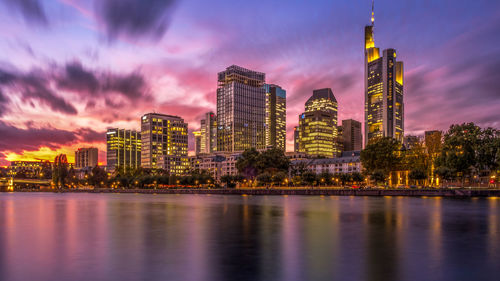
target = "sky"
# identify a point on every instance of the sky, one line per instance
(70, 69)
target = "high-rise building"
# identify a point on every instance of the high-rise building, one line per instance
(197, 142)
(123, 149)
(296, 139)
(241, 109)
(275, 116)
(86, 157)
(208, 130)
(384, 107)
(164, 143)
(318, 125)
(353, 139)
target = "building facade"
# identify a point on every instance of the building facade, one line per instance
(384, 107)
(208, 130)
(241, 109)
(123, 149)
(86, 157)
(197, 142)
(351, 135)
(164, 143)
(296, 139)
(339, 165)
(275, 116)
(318, 134)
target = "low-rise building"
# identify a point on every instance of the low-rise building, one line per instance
(338, 165)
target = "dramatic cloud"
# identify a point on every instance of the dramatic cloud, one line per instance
(35, 86)
(78, 79)
(135, 18)
(3, 104)
(32, 10)
(16, 139)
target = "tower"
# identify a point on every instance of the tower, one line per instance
(384, 107)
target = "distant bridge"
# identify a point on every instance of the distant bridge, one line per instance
(11, 182)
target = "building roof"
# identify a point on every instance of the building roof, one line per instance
(327, 161)
(325, 93)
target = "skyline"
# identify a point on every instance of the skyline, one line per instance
(120, 62)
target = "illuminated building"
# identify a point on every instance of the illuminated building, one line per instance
(318, 125)
(241, 110)
(29, 169)
(351, 134)
(410, 141)
(123, 149)
(275, 116)
(164, 143)
(208, 130)
(296, 139)
(86, 157)
(197, 142)
(384, 107)
(340, 165)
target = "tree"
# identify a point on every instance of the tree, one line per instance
(247, 163)
(309, 178)
(98, 177)
(60, 171)
(378, 176)
(459, 150)
(417, 175)
(325, 178)
(264, 179)
(357, 177)
(488, 150)
(272, 160)
(229, 180)
(299, 167)
(279, 177)
(381, 155)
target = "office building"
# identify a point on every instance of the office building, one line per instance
(384, 107)
(275, 116)
(241, 110)
(351, 135)
(318, 136)
(123, 149)
(164, 143)
(296, 139)
(197, 142)
(86, 157)
(208, 130)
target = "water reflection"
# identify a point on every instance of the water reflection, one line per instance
(198, 237)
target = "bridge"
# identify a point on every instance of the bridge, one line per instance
(10, 183)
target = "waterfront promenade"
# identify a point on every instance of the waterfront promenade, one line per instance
(462, 192)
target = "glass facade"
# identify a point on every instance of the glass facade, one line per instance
(275, 116)
(384, 107)
(123, 148)
(318, 134)
(208, 131)
(164, 143)
(241, 107)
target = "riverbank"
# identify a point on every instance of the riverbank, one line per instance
(304, 191)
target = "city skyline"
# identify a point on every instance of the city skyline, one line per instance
(53, 100)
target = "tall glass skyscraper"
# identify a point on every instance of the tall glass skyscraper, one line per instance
(384, 108)
(275, 116)
(241, 109)
(123, 149)
(164, 143)
(208, 130)
(318, 125)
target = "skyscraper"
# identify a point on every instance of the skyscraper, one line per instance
(296, 139)
(384, 108)
(318, 125)
(241, 109)
(275, 116)
(86, 157)
(164, 143)
(197, 142)
(353, 139)
(123, 149)
(208, 130)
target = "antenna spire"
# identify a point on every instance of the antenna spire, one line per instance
(373, 14)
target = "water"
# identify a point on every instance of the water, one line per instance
(201, 237)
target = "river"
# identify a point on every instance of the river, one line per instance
(49, 236)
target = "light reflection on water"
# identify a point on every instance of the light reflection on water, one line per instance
(199, 237)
